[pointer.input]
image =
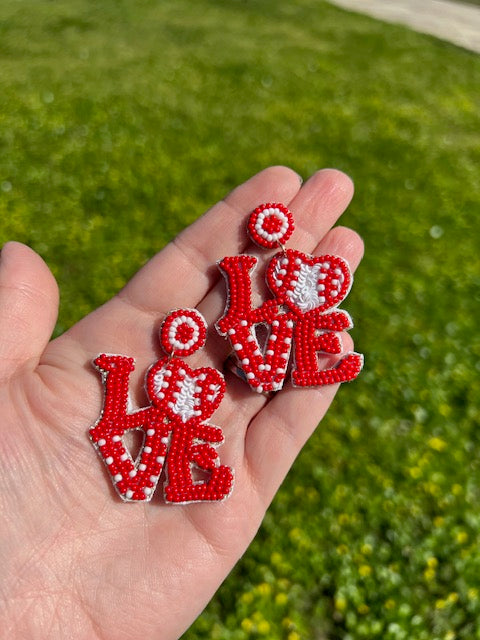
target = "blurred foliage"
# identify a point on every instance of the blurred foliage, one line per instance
(120, 122)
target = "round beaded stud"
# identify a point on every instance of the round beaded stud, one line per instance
(183, 332)
(270, 225)
(302, 313)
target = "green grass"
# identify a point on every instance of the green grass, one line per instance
(476, 2)
(121, 122)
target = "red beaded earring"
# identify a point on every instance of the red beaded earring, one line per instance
(306, 291)
(176, 435)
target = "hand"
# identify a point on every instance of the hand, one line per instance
(76, 561)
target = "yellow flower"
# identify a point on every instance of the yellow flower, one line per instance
(444, 410)
(452, 597)
(437, 444)
(366, 549)
(432, 488)
(293, 635)
(389, 604)
(342, 549)
(276, 557)
(343, 518)
(429, 574)
(415, 472)
(365, 570)
(247, 625)
(247, 597)
(432, 562)
(354, 433)
(450, 635)
(462, 537)
(363, 609)
(472, 594)
(438, 521)
(281, 598)
(440, 604)
(264, 589)
(457, 489)
(263, 627)
(340, 604)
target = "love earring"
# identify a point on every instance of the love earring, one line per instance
(176, 434)
(301, 314)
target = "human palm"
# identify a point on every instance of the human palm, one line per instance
(77, 562)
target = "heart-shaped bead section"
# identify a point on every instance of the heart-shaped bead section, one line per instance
(303, 282)
(185, 393)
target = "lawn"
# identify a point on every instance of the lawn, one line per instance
(121, 122)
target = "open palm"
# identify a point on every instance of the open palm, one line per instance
(76, 561)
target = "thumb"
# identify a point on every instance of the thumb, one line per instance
(28, 307)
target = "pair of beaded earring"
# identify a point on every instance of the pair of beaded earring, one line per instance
(177, 438)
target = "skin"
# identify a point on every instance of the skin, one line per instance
(77, 562)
